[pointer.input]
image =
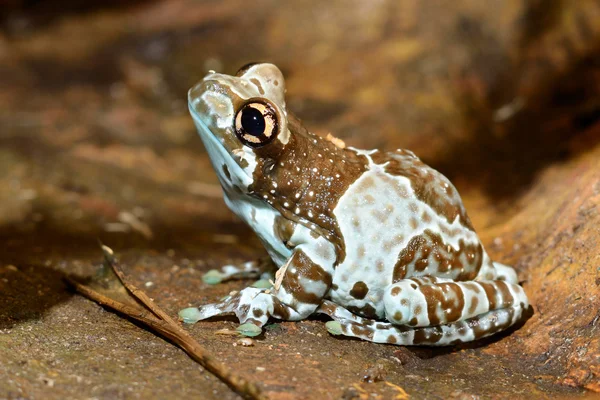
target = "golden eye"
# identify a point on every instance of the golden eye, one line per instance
(256, 123)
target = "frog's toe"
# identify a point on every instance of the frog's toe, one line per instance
(334, 327)
(249, 329)
(213, 277)
(262, 284)
(192, 315)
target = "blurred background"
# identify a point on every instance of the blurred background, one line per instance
(502, 96)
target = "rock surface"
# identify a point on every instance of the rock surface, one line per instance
(95, 143)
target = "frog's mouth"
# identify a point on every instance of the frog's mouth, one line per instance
(219, 155)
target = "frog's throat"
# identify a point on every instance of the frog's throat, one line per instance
(217, 151)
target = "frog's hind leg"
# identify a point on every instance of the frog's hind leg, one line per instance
(263, 268)
(430, 301)
(347, 324)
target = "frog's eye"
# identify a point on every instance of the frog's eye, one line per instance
(256, 123)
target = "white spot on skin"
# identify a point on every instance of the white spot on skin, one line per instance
(297, 210)
(286, 204)
(297, 195)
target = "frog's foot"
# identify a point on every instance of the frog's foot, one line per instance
(252, 306)
(347, 324)
(263, 268)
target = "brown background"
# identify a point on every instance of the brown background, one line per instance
(502, 96)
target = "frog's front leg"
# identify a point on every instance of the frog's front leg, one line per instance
(305, 279)
(263, 268)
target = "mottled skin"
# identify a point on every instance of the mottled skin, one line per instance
(378, 241)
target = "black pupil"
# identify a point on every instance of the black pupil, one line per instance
(253, 122)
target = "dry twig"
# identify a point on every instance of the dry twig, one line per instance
(161, 323)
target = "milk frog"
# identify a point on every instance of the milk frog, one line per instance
(376, 240)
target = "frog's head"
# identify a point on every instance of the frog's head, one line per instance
(240, 119)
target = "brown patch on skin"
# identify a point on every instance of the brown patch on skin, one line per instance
(380, 266)
(429, 254)
(362, 331)
(361, 251)
(369, 199)
(257, 312)
(392, 339)
(396, 291)
(429, 186)
(429, 335)
(283, 228)
(413, 321)
(380, 216)
(398, 316)
(448, 297)
(304, 267)
(490, 292)
(226, 172)
(366, 311)
(502, 293)
(359, 290)
(404, 302)
(472, 286)
(280, 311)
(366, 184)
(334, 287)
(426, 218)
(256, 82)
(413, 207)
(474, 304)
(304, 172)
(418, 310)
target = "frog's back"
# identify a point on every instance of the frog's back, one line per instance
(401, 219)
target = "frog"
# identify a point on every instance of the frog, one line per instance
(377, 241)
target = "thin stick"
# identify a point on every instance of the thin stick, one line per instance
(164, 325)
(134, 290)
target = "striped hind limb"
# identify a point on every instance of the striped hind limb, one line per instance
(430, 301)
(347, 324)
